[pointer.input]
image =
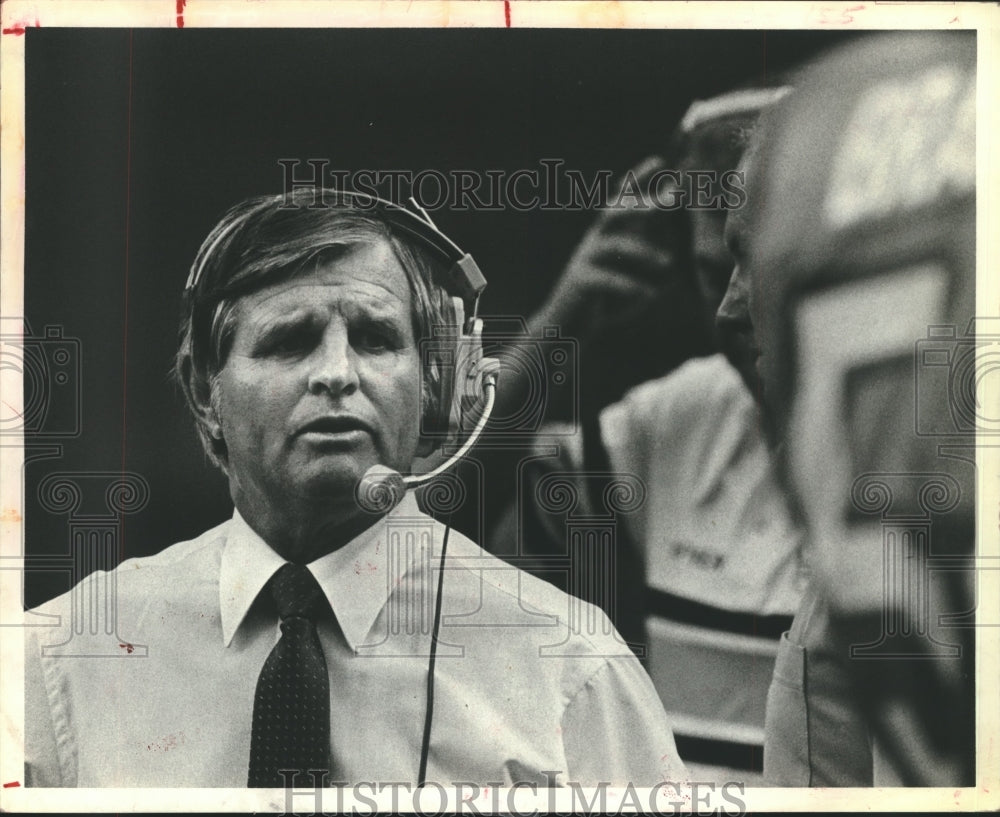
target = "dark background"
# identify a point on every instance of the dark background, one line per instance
(137, 141)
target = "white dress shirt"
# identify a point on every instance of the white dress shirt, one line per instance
(528, 679)
(715, 528)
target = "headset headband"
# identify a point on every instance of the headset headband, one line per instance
(464, 277)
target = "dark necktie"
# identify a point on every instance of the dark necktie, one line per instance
(291, 708)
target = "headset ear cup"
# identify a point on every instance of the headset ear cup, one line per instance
(442, 355)
(447, 420)
(439, 420)
(470, 375)
(447, 397)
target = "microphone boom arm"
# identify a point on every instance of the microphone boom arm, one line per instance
(490, 391)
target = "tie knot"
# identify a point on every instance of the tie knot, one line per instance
(296, 592)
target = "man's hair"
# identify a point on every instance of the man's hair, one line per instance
(264, 240)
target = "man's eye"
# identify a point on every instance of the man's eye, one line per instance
(288, 343)
(373, 340)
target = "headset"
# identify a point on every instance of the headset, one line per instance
(382, 488)
(467, 378)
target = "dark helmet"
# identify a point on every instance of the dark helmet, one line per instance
(862, 258)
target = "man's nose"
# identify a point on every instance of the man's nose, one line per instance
(333, 366)
(734, 311)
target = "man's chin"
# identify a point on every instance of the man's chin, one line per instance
(332, 484)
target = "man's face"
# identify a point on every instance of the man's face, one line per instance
(322, 380)
(733, 321)
(713, 265)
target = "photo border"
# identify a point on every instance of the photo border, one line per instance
(18, 15)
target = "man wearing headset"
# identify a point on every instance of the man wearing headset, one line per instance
(313, 631)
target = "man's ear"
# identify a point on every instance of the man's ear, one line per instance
(198, 391)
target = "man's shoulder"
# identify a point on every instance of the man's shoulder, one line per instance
(700, 407)
(698, 384)
(178, 554)
(516, 598)
(171, 572)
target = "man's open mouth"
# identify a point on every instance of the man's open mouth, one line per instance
(334, 425)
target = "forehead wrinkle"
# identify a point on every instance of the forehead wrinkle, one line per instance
(373, 304)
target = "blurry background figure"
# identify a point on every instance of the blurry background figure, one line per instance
(831, 745)
(701, 573)
(862, 263)
(624, 309)
(718, 548)
(628, 299)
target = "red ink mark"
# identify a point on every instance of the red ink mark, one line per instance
(8, 405)
(844, 15)
(129, 648)
(180, 13)
(12, 785)
(18, 29)
(953, 20)
(506, 12)
(125, 310)
(167, 743)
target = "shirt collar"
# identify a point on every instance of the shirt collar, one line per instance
(354, 578)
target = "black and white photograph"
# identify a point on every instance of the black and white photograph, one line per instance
(503, 406)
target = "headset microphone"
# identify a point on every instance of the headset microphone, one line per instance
(381, 489)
